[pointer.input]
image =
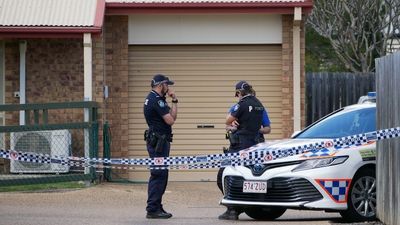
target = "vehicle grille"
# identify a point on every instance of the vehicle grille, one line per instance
(280, 189)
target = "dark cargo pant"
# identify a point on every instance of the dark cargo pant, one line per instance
(158, 180)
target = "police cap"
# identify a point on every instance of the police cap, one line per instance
(160, 79)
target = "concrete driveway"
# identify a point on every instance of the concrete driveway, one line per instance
(190, 203)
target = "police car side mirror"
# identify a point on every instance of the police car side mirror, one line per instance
(295, 133)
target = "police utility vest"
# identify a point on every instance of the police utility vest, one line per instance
(249, 112)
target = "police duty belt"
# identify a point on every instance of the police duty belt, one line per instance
(258, 154)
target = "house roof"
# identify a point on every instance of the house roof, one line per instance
(71, 18)
(62, 17)
(206, 6)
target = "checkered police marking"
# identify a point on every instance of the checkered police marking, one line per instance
(256, 154)
(337, 189)
(323, 152)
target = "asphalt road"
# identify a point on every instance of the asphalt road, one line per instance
(191, 203)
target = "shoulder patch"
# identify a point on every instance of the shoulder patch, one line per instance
(236, 108)
(161, 103)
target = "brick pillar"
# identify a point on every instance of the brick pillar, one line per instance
(116, 112)
(99, 74)
(287, 75)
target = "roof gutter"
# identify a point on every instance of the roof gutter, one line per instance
(207, 7)
(47, 32)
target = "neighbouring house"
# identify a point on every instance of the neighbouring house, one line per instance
(393, 44)
(73, 50)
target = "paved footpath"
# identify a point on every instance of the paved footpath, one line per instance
(191, 203)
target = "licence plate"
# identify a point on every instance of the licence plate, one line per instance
(254, 186)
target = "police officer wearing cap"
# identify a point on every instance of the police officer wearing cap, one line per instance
(231, 135)
(248, 113)
(159, 117)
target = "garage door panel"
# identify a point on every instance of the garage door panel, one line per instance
(198, 123)
(143, 126)
(180, 128)
(186, 115)
(205, 77)
(167, 52)
(205, 88)
(230, 100)
(230, 95)
(202, 53)
(198, 65)
(206, 110)
(256, 76)
(207, 84)
(194, 121)
(190, 137)
(226, 105)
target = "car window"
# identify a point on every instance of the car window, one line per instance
(343, 123)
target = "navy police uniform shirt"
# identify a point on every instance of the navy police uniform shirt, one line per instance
(155, 107)
(249, 113)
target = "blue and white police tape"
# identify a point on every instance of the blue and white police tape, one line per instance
(260, 153)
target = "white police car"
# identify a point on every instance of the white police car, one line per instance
(339, 180)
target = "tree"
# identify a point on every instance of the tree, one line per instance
(358, 30)
(320, 56)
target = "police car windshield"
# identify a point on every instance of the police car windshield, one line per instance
(343, 123)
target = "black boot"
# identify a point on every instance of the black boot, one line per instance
(169, 214)
(158, 215)
(230, 214)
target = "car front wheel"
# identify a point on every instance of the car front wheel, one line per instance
(361, 201)
(265, 213)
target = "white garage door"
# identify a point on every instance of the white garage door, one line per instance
(204, 77)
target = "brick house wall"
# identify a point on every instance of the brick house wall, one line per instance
(54, 69)
(54, 73)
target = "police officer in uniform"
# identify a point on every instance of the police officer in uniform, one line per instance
(159, 117)
(248, 113)
(231, 129)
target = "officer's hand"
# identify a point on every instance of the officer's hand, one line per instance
(171, 93)
(231, 128)
(235, 123)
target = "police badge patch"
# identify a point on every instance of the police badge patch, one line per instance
(236, 108)
(161, 103)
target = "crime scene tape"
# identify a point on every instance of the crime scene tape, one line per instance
(260, 153)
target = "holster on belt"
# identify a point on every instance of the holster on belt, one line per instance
(156, 140)
(233, 138)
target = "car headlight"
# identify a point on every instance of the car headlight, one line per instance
(318, 163)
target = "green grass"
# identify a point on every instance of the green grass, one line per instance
(43, 187)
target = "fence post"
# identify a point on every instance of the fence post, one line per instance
(106, 149)
(388, 155)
